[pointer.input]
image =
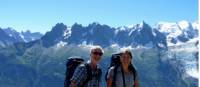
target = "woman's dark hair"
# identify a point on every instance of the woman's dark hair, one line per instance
(133, 70)
(123, 51)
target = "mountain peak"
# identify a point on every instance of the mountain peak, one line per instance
(76, 25)
(184, 24)
(27, 31)
(143, 24)
(94, 24)
(9, 28)
(59, 27)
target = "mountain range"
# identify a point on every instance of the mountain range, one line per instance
(140, 35)
(162, 36)
(164, 56)
(10, 36)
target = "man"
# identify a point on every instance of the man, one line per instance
(80, 77)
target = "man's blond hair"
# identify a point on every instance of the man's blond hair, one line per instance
(96, 47)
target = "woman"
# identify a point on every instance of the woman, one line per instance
(124, 75)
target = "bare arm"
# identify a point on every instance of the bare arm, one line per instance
(73, 84)
(136, 83)
(109, 82)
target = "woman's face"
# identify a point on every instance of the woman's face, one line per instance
(125, 59)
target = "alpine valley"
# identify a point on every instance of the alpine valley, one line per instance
(165, 55)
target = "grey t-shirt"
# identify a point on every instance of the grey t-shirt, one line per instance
(129, 78)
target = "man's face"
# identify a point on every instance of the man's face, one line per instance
(96, 55)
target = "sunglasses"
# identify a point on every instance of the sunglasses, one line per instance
(98, 53)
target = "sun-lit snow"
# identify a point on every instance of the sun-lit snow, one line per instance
(61, 44)
(117, 30)
(195, 25)
(170, 28)
(193, 72)
(10, 35)
(183, 24)
(194, 39)
(115, 46)
(161, 45)
(141, 24)
(173, 30)
(22, 36)
(67, 33)
(154, 34)
(127, 47)
(86, 46)
(130, 26)
(122, 28)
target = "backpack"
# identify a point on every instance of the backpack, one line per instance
(115, 62)
(71, 65)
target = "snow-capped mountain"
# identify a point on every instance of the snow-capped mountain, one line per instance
(5, 39)
(179, 32)
(139, 35)
(14, 34)
(10, 36)
(92, 34)
(104, 35)
(29, 36)
(55, 35)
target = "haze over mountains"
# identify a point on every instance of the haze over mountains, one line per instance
(165, 55)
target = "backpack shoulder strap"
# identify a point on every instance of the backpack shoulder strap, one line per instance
(99, 73)
(134, 74)
(114, 75)
(132, 68)
(89, 74)
(124, 82)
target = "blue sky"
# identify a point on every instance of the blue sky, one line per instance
(42, 15)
